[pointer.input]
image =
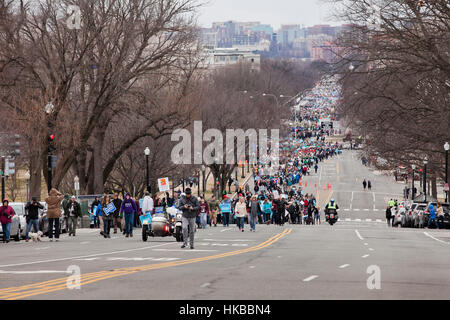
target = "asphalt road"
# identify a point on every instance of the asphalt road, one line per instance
(290, 262)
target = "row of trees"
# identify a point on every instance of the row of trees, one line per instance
(395, 63)
(124, 79)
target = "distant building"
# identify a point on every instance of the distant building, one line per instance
(222, 57)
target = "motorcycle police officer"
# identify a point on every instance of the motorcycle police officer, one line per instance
(331, 206)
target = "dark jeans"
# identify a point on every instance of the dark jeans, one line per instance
(107, 224)
(226, 219)
(129, 218)
(55, 222)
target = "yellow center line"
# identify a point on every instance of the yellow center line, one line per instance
(61, 284)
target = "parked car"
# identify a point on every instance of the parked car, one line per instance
(15, 227)
(409, 219)
(19, 209)
(417, 214)
(399, 215)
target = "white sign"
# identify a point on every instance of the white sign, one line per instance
(163, 184)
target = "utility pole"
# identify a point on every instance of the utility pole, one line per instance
(3, 177)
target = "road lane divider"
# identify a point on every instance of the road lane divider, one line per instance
(21, 292)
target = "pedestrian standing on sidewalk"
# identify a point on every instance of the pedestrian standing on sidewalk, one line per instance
(32, 218)
(6, 214)
(54, 212)
(189, 205)
(116, 215)
(241, 211)
(129, 209)
(73, 213)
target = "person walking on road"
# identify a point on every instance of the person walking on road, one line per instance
(94, 205)
(204, 213)
(190, 206)
(73, 213)
(6, 214)
(64, 204)
(213, 206)
(316, 167)
(364, 184)
(254, 211)
(116, 215)
(32, 217)
(129, 209)
(388, 215)
(241, 211)
(432, 217)
(226, 212)
(107, 217)
(369, 185)
(54, 212)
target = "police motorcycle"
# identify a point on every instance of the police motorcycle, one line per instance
(331, 213)
(162, 224)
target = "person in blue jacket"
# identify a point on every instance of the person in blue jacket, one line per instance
(129, 208)
(432, 217)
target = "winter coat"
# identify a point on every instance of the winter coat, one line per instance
(203, 207)
(192, 201)
(147, 205)
(388, 213)
(254, 208)
(76, 209)
(128, 206)
(6, 213)
(240, 209)
(104, 216)
(33, 210)
(54, 204)
(118, 204)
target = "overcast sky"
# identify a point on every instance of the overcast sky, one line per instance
(274, 12)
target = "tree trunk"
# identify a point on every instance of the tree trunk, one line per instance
(434, 186)
(35, 176)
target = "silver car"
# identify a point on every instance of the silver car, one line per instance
(417, 213)
(19, 209)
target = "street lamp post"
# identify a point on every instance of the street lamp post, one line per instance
(243, 168)
(147, 157)
(198, 183)
(425, 162)
(446, 148)
(76, 181)
(27, 181)
(204, 180)
(412, 188)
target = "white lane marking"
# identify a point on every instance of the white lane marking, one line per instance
(429, 235)
(182, 250)
(80, 257)
(205, 285)
(87, 259)
(351, 201)
(86, 242)
(252, 267)
(348, 219)
(33, 272)
(373, 193)
(379, 220)
(344, 266)
(346, 209)
(366, 244)
(356, 210)
(370, 249)
(366, 209)
(368, 220)
(374, 209)
(310, 278)
(365, 256)
(359, 235)
(225, 230)
(44, 248)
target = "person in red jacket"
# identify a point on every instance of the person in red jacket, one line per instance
(6, 214)
(203, 212)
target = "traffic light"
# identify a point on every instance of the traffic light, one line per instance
(15, 146)
(51, 143)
